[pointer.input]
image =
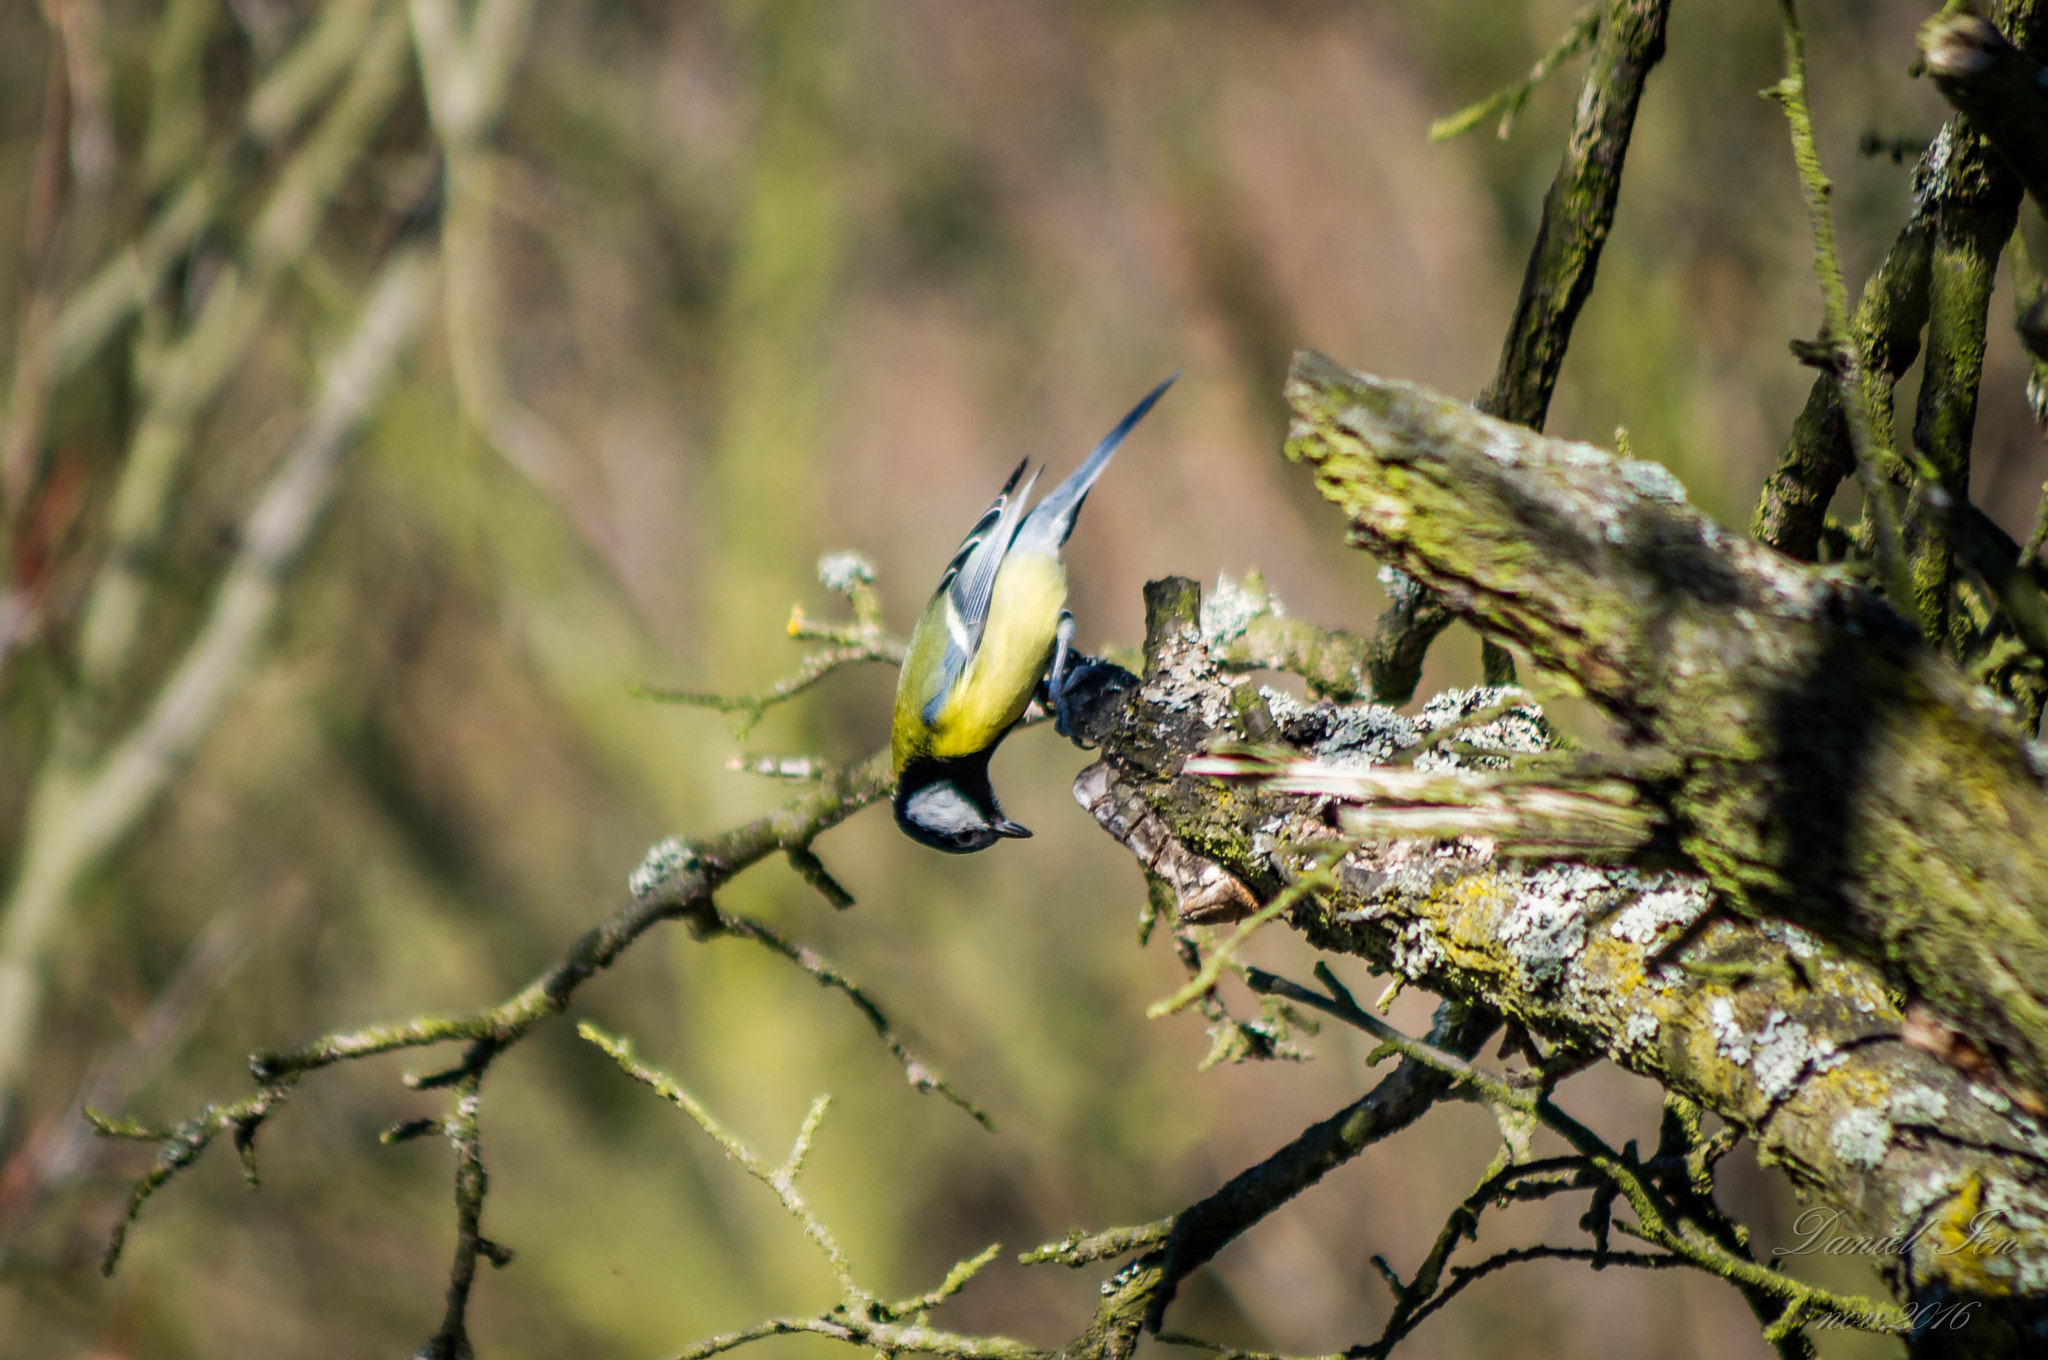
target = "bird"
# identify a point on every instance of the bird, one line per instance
(996, 627)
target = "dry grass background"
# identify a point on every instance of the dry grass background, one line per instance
(787, 276)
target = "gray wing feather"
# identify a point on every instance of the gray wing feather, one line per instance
(970, 578)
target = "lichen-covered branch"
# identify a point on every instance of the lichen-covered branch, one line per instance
(1833, 770)
(1659, 1219)
(1799, 1046)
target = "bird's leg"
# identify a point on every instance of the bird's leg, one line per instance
(1056, 679)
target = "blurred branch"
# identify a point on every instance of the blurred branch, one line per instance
(280, 102)
(467, 71)
(861, 1317)
(52, 348)
(1510, 98)
(184, 381)
(81, 807)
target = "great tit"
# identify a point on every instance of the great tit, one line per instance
(996, 623)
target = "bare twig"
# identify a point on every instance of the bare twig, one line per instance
(466, 69)
(861, 1316)
(81, 810)
(828, 975)
(62, 1149)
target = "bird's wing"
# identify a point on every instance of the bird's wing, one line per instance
(970, 578)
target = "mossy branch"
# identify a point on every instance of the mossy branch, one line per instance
(1834, 349)
(1659, 1220)
(1834, 769)
(1801, 1047)
(1578, 214)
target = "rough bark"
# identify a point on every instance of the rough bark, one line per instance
(1797, 1043)
(1833, 770)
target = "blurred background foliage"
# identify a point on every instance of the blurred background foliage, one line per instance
(767, 278)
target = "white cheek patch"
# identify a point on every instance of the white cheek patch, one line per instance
(943, 808)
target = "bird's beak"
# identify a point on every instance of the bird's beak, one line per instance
(1006, 827)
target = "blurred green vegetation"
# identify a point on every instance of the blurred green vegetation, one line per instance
(782, 277)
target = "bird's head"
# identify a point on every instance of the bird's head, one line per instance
(947, 817)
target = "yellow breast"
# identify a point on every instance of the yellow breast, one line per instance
(1016, 646)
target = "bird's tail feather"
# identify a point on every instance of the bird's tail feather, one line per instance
(1053, 518)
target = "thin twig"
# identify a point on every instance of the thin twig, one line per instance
(1661, 1223)
(1511, 98)
(861, 1317)
(828, 975)
(1842, 357)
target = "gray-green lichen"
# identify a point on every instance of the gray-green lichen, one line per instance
(842, 571)
(1229, 609)
(1860, 1137)
(666, 860)
(1766, 1025)
(1832, 771)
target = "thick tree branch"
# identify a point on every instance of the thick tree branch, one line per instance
(1832, 769)
(1796, 1045)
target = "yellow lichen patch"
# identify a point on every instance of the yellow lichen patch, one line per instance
(1850, 1087)
(1978, 1252)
